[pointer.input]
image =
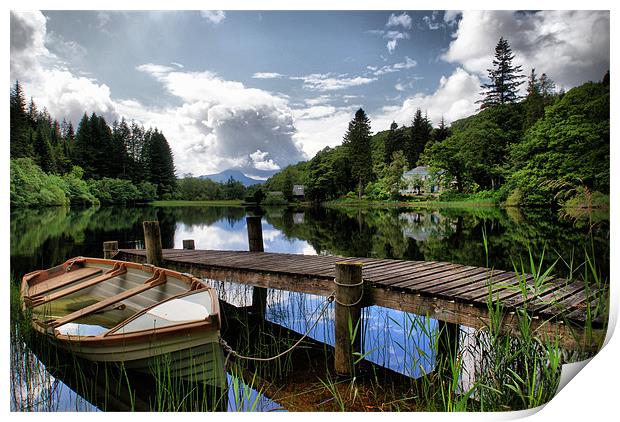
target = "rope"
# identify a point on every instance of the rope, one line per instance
(348, 285)
(348, 305)
(71, 264)
(232, 352)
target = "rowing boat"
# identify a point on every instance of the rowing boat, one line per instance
(142, 316)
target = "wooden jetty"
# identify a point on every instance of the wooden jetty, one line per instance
(450, 293)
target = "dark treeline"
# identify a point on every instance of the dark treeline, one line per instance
(543, 148)
(53, 163)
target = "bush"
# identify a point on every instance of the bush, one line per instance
(31, 187)
(275, 200)
(76, 189)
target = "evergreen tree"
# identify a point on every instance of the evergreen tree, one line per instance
(19, 136)
(85, 154)
(442, 132)
(134, 147)
(43, 151)
(357, 141)
(505, 78)
(33, 114)
(394, 142)
(118, 149)
(159, 162)
(533, 103)
(421, 130)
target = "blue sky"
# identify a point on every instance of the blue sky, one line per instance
(258, 90)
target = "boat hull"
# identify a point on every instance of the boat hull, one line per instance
(184, 347)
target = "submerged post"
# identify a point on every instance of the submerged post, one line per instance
(152, 243)
(255, 243)
(189, 244)
(110, 249)
(349, 292)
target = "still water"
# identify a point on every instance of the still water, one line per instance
(392, 339)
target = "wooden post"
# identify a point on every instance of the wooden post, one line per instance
(255, 234)
(255, 243)
(189, 244)
(349, 291)
(110, 249)
(152, 243)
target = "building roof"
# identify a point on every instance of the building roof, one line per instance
(418, 171)
(422, 171)
(298, 189)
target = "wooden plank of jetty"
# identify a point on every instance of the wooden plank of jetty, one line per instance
(448, 292)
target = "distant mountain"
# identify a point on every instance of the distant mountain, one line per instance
(223, 177)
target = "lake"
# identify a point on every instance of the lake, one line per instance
(399, 342)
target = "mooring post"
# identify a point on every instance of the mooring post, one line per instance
(189, 244)
(255, 243)
(349, 292)
(152, 243)
(110, 249)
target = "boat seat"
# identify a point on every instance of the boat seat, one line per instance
(117, 270)
(63, 280)
(157, 279)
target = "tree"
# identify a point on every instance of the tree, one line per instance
(504, 78)
(43, 151)
(568, 147)
(421, 130)
(159, 164)
(533, 103)
(357, 142)
(395, 141)
(121, 134)
(19, 136)
(441, 132)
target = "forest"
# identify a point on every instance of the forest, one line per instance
(545, 148)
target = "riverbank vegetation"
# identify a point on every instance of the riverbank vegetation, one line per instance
(538, 150)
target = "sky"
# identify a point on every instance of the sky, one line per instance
(259, 90)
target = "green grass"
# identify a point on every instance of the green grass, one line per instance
(213, 203)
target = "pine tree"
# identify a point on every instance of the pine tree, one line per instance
(159, 163)
(421, 130)
(394, 142)
(357, 141)
(19, 136)
(533, 103)
(118, 148)
(504, 77)
(442, 131)
(85, 156)
(43, 151)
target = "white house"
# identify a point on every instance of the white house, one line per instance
(421, 180)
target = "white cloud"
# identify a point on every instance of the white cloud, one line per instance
(45, 78)
(396, 67)
(454, 98)
(403, 20)
(327, 82)
(267, 75)
(392, 35)
(261, 162)
(570, 46)
(225, 123)
(213, 16)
